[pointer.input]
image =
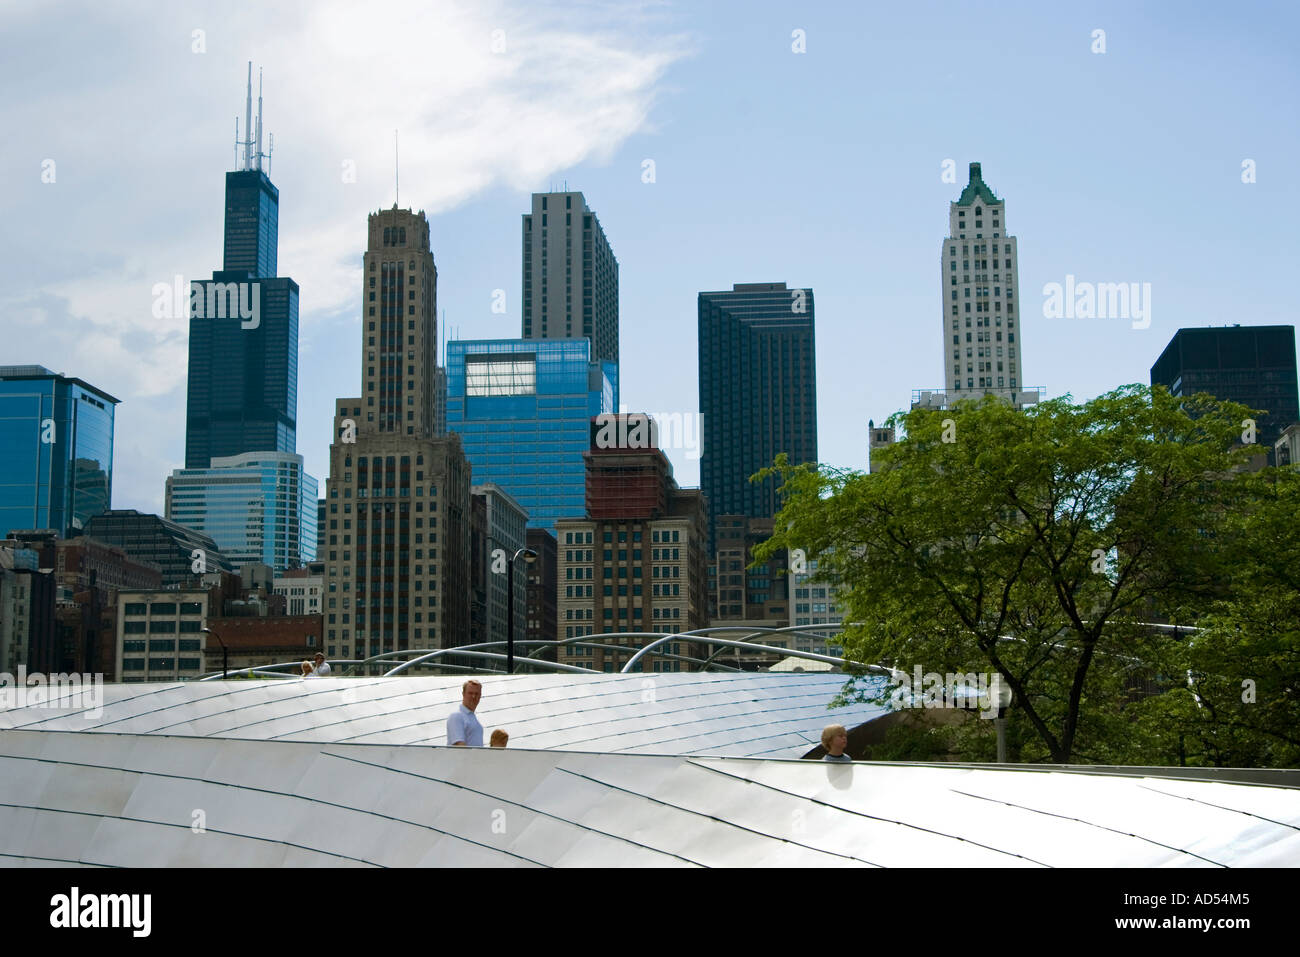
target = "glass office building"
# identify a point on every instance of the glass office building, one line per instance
(523, 410)
(155, 540)
(758, 393)
(258, 507)
(243, 364)
(252, 232)
(56, 450)
(1253, 365)
(243, 381)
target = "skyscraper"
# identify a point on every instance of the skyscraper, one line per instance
(252, 234)
(259, 507)
(243, 360)
(758, 393)
(570, 276)
(243, 483)
(1253, 365)
(524, 409)
(399, 375)
(56, 450)
(980, 282)
(397, 549)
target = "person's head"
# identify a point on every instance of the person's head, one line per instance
(306, 667)
(835, 738)
(499, 738)
(470, 693)
(319, 659)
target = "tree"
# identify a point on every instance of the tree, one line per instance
(1241, 704)
(1030, 544)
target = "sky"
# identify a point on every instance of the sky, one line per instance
(803, 143)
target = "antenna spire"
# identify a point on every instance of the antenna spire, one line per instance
(259, 117)
(397, 182)
(248, 119)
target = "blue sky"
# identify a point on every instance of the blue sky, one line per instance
(818, 169)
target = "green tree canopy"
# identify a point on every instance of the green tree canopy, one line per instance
(1032, 544)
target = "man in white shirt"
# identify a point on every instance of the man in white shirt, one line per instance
(463, 729)
(322, 666)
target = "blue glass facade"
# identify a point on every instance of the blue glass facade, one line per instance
(56, 450)
(523, 410)
(258, 507)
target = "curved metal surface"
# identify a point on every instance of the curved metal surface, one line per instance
(666, 713)
(118, 800)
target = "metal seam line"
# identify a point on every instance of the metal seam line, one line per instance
(505, 800)
(1080, 820)
(261, 790)
(141, 820)
(711, 817)
(58, 860)
(1222, 807)
(873, 817)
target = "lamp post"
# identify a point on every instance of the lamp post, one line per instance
(1000, 695)
(530, 556)
(225, 657)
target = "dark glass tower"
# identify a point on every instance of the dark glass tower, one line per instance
(243, 370)
(56, 450)
(243, 382)
(758, 393)
(1253, 365)
(252, 222)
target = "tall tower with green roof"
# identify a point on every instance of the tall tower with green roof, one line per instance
(981, 298)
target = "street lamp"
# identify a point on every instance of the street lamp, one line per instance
(999, 698)
(225, 658)
(530, 556)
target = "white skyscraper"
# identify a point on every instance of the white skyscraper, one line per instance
(981, 296)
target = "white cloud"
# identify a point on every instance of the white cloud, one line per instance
(142, 129)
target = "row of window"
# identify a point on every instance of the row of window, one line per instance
(982, 291)
(163, 608)
(980, 248)
(157, 627)
(658, 590)
(162, 664)
(162, 644)
(815, 593)
(986, 382)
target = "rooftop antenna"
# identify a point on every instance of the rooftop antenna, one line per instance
(397, 183)
(248, 119)
(259, 118)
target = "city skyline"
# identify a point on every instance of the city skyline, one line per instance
(856, 218)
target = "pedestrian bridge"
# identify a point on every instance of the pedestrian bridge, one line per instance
(668, 769)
